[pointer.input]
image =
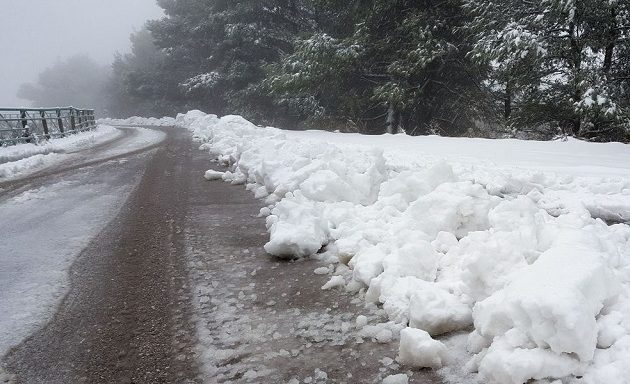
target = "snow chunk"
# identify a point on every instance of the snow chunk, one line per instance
(437, 311)
(418, 349)
(213, 175)
(505, 364)
(296, 228)
(361, 321)
(321, 271)
(401, 378)
(335, 281)
(546, 313)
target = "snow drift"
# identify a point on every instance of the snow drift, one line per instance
(521, 257)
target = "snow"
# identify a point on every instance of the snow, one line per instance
(44, 228)
(400, 378)
(335, 281)
(418, 349)
(136, 120)
(17, 159)
(504, 237)
(25, 159)
(213, 175)
(33, 274)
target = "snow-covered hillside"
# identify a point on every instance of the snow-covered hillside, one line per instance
(519, 245)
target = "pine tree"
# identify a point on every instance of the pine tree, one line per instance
(221, 48)
(402, 66)
(556, 62)
(139, 84)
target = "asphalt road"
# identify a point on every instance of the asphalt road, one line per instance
(177, 289)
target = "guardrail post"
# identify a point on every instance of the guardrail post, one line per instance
(72, 120)
(23, 117)
(80, 118)
(60, 121)
(25, 131)
(44, 124)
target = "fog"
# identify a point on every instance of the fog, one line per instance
(37, 34)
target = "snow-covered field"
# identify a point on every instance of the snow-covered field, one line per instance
(136, 120)
(503, 260)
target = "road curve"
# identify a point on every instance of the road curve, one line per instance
(122, 319)
(177, 289)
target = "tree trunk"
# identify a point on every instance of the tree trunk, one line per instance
(507, 102)
(612, 40)
(391, 119)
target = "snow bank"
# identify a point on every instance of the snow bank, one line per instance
(17, 159)
(449, 243)
(136, 120)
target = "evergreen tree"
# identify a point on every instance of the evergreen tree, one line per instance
(219, 49)
(557, 62)
(402, 66)
(140, 84)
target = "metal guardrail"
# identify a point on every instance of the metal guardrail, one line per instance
(33, 125)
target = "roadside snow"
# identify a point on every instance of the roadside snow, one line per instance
(17, 159)
(24, 159)
(148, 121)
(505, 237)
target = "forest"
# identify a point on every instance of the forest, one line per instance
(484, 68)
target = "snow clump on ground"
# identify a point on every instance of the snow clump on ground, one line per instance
(522, 258)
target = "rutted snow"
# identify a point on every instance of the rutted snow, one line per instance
(64, 144)
(24, 159)
(136, 120)
(17, 159)
(447, 234)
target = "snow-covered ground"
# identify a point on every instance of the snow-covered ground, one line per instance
(24, 159)
(503, 260)
(136, 120)
(19, 159)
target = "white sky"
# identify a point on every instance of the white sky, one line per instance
(34, 34)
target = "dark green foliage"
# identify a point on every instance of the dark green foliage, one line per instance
(219, 50)
(453, 67)
(558, 63)
(403, 65)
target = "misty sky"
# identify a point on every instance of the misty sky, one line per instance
(34, 34)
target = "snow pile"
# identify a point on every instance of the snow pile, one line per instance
(443, 245)
(18, 158)
(136, 120)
